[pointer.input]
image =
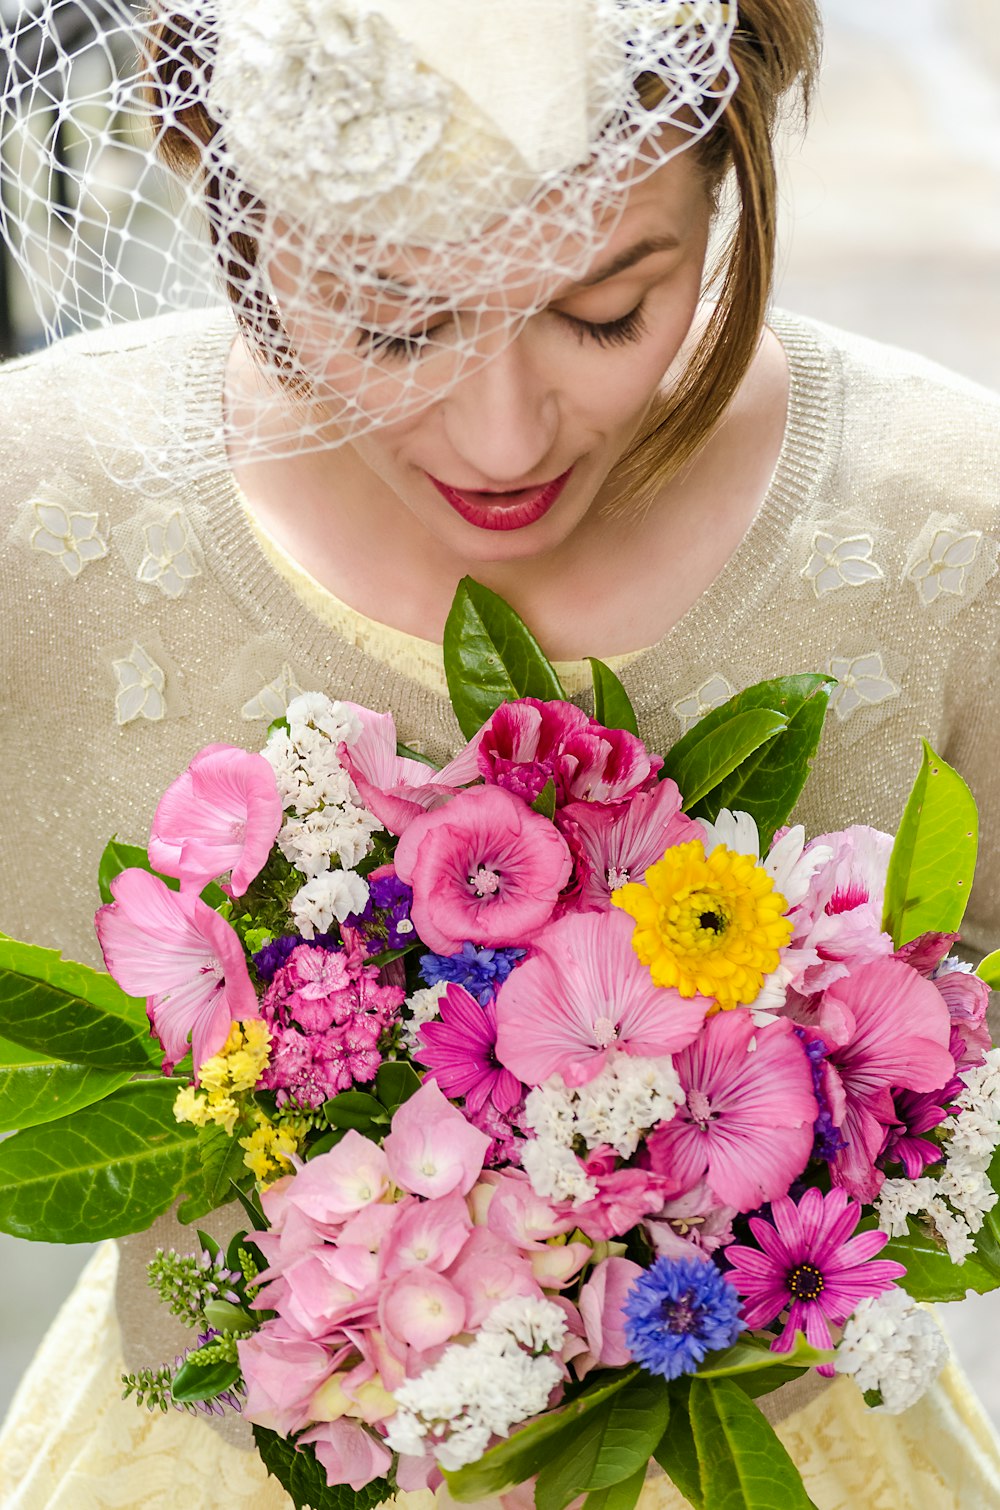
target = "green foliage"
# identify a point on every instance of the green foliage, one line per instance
(36, 1089)
(395, 1083)
(750, 1357)
(105, 1171)
(677, 1453)
(69, 1012)
(545, 802)
(199, 1379)
(357, 1110)
(491, 657)
(611, 1444)
(405, 753)
(612, 705)
(934, 856)
(754, 752)
(930, 1273)
(220, 1166)
(302, 1477)
(267, 900)
(741, 1461)
(620, 1496)
(989, 970)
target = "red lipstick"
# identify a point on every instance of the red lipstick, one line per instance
(503, 511)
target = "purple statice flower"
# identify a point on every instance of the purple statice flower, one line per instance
(829, 1142)
(481, 971)
(676, 1312)
(275, 954)
(385, 922)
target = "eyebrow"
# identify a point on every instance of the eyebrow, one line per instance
(647, 247)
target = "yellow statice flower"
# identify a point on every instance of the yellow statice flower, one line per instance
(270, 1146)
(707, 925)
(236, 1068)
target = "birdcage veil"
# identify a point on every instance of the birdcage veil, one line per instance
(383, 191)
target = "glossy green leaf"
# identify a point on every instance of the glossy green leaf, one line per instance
(702, 760)
(621, 1496)
(611, 1444)
(545, 802)
(612, 705)
(70, 1012)
(35, 1089)
(742, 1462)
(491, 657)
(355, 1109)
(747, 1356)
(105, 1171)
(220, 1166)
(989, 970)
(930, 1273)
(304, 1479)
(405, 753)
(396, 1082)
(934, 856)
(524, 1454)
(676, 1453)
(195, 1381)
(226, 1317)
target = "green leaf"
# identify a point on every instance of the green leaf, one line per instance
(105, 1171)
(387, 956)
(988, 1236)
(930, 1273)
(221, 1166)
(705, 757)
(612, 1443)
(524, 1454)
(934, 857)
(35, 1089)
(355, 1109)
(70, 1012)
(396, 1082)
(248, 1201)
(621, 1496)
(742, 1462)
(491, 657)
(676, 1453)
(748, 1357)
(405, 753)
(989, 970)
(225, 1317)
(195, 1381)
(612, 705)
(545, 802)
(301, 1475)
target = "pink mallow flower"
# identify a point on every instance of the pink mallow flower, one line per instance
(583, 994)
(393, 787)
(222, 813)
(613, 845)
(808, 1263)
(187, 962)
(459, 1052)
(747, 1125)
(431, 1148)
(528, 743)
(485, 868)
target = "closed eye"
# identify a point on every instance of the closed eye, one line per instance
(414, 346)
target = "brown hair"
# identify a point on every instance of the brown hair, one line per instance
(775, 49)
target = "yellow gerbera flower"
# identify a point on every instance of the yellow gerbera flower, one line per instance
(708, 925)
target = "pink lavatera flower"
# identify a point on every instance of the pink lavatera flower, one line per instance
(431, 1149)
(615, 844)
(583, 994)
(900, 1041)
(747, 1126)
(185, 959)
(484, 869)
(222, 814)
(393, 787)
(528, 743)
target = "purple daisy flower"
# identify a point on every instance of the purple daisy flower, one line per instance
(459, 1052)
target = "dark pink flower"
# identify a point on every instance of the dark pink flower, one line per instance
(624, 1196)
(460, 1053)
(171, 948)
(222, 813)
(809, 1264)
(484, 869)
(528, 743)
(916, 1113)
(615, 844)
(747, 1125)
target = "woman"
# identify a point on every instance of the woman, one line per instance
(430, 380)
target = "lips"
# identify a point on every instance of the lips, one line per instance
(503, 511)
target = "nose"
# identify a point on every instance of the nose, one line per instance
(502, 418)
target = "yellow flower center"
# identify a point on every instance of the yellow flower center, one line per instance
(707, 925)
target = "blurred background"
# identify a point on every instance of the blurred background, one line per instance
(891, 227)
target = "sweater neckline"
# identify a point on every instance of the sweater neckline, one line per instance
(807, 454)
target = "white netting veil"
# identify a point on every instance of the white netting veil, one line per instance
(383, 191)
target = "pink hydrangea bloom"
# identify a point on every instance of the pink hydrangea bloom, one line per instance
(747, 1125)
(488, 1270)
(484, 869)
(187, 962)
(528, 743)
(223, 813)
(432, 1149)
(615, 844)
(459, 1052)
(282, 1371)
(581, 995)
(349, 1454)
(393, 787)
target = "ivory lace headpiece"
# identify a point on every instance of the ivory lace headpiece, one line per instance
(385, 190)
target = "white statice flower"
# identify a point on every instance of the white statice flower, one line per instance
(283, 758)
(332, 896)
(893, 1346)
(310, 843)
(538, 1325)
(898, 1200)
(556, 1173)
(425, 1006)
(314, 713)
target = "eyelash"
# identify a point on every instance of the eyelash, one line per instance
(620, 332)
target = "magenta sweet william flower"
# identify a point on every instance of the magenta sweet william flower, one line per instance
(528, 743)
(222, 813)
(747, 1125)
(614, 844)
(582, 995)
(484, 869)
(171, 948)
(808, 1263)
(459, 1052)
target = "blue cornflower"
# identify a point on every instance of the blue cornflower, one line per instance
(829, 1142)
(677, 1311)
(481, 971)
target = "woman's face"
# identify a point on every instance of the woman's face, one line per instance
(511, 459)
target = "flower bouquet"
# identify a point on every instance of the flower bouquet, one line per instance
(573, 1100)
